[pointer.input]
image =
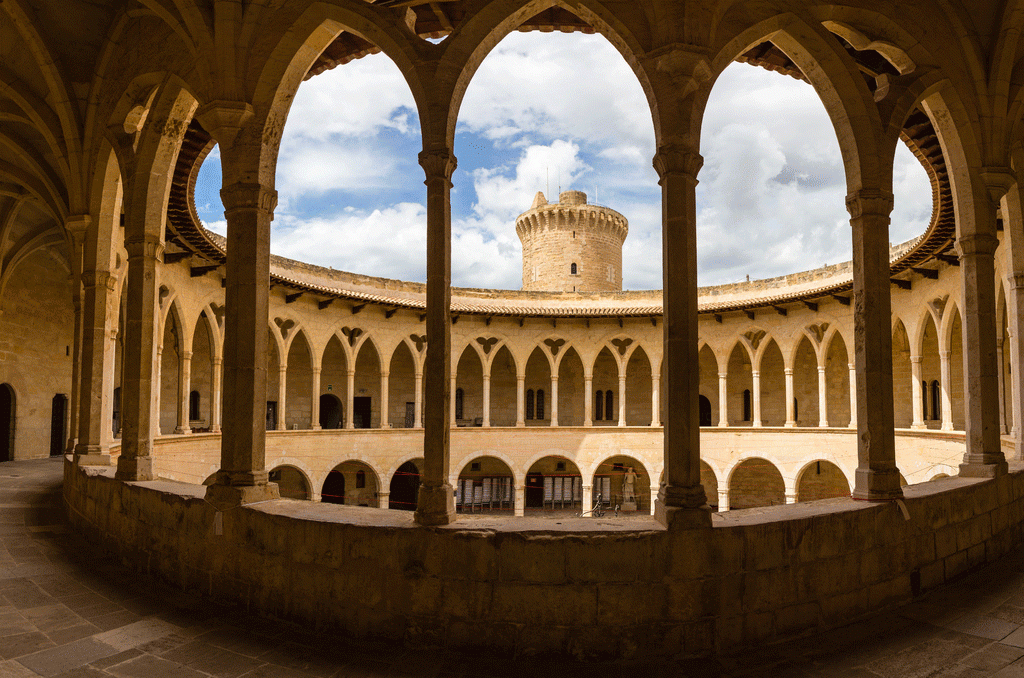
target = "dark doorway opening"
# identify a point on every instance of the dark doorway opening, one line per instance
(410, 414)
(58, 424)
(330, 411)
(7, 411)
(361, 411)
(704, 411)
(334, 488)
(534, 490)
(116, 418)
(271, 415)
(405, 487)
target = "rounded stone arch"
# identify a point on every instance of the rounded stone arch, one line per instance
(949, 317)
(402, 461)
(610, 471)
(468, 367)
(488, 489)
(489, 26)
(289, 342)
(821, 479)
(504, 371)
(517, 471)
(338, 490)
(402, 366)
(298, 45)
(215, 328)
(755, 481)
(292, 481)
(639, 370)
(544, 466)
(941, 471)
(709, 480)
(298, 387)
(771, 368)
(403, 488)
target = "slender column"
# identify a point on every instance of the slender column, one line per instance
(587, 501)
(158, 363)
(77, 227)
(945, 382)
(451, 407)
(877, 476)
(790, 497)
(487, 398)
(94, 375)
(135, 461)
(1015, 301)
(822, 398)
(755, 396)
(314, 407)
(553, 405)
(520, 506)
(217, 394)
(350, 398)
(723, 500)
(984, 456)
(385, 399)
(681, 502)
(282, 397)
(184, 391)
(655, 402)
(106, 430)
(418, 401)
(915, 389)
(436, 496)
(853, 395)
(243, 478)
(622, 398)
(520, 400)
(1000, 357)
(723, 399)
(588, 399)
(790, 414)
(383, 500)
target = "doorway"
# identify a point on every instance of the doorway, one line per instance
(704, 408)
(361, 411)
(271, 415)
(7, 412)
(405, 487)
(534, 490)
(410, 414)
(58, 424)
(330, 411)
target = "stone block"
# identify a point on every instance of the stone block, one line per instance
(524, 559)
(794, 618)
(955, 564)
(932, 574)
(607, 559)
(844, 606)
(889, 592)
(534, 604)
(945, 541)
(465, 599)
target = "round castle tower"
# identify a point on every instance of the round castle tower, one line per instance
(571, 246)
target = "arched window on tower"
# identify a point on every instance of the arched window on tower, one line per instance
(529, 404)
(746, 405)
(459, 396)
(936, 401)
(609, 406)
(572, 269)
(540, 403)
(598, 406)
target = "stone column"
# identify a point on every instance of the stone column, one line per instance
(350, 398)
(622, 397)
(436, 504)
(95, 378)
(791, 497)
(654, 500)
(184, 391)
(723, 500)
(945, 382)
(314, 403)
(158, 362)
(385, 399)
(822, 398)
(106, 420)
(681, 502)
(915, 389)
(553, 405)
(383, 500)
(755, 397)
(1000, 357)
(216, 397)
(451, 406)
(790, 414)
(519, 509)
(588, 399)
(418, 401)
(587, 500)
(135, 462)
(984, 456)
(723, 399)
(282, 397)
(655, 401)
(877, 477)
(520, 400)
(1015, 301)
(77, 227)
(243, 478)
(853, 395)
(487, 398)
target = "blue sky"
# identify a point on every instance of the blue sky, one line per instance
(550, 110)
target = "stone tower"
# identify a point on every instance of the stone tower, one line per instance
(571, 246)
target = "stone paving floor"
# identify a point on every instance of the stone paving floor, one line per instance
(68, 612)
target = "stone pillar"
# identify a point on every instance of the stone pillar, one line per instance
(945, 381)
(487, 398)
(520, 400)
(654, 501)
(1000, 357)
(984, 456)
(385, 399)
(282, 397)
(553, 405)
(723, 500)
(1015, 301)
(915, 389)
(655, 401)
(243, 478)
(723, 399)
(877, 477)
(587, 500)
(158, 362)
(314, 403)
(383, 500)
(184, 391)
(217, 394)
(681, 502)
(350, 398)
(622, 396)
(755, 396)
(95, 378)
(436, 505)
(135, 462)
(853, 395)
(790, 414)
(451, 406)
(519, 509)
(822, 398)
(77, 227)
(418, 401)
(588, 398)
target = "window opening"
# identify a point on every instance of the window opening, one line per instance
(193, 406)
(540, 403)
(599, 406)
(529, 404)
(609, 405)
(746, 405)
(572, 269)
(360, 478)
(459, 396)
(936, 401)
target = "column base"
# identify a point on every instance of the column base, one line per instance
(238, 489)
(436, 505)
(315, 428)
(183, 431)
(919, 426)
(789, 424)
(134, 469)
(877, 485)
(683, 508)
(991, 469)
(92, 460)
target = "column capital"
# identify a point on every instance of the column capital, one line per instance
(998, 181)
(438, 163)
(186, 355)
(755, 373)
(869, 201)
(1015, 281)
(93, 279)
(244, 196)
(678, 159)
(317, 370)
(77, 225)
(224, 119)
(144, 246)
(821, 369)
(723, 375)
(945, 355)
(788, 371)
(915, 359)
(976, 244)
